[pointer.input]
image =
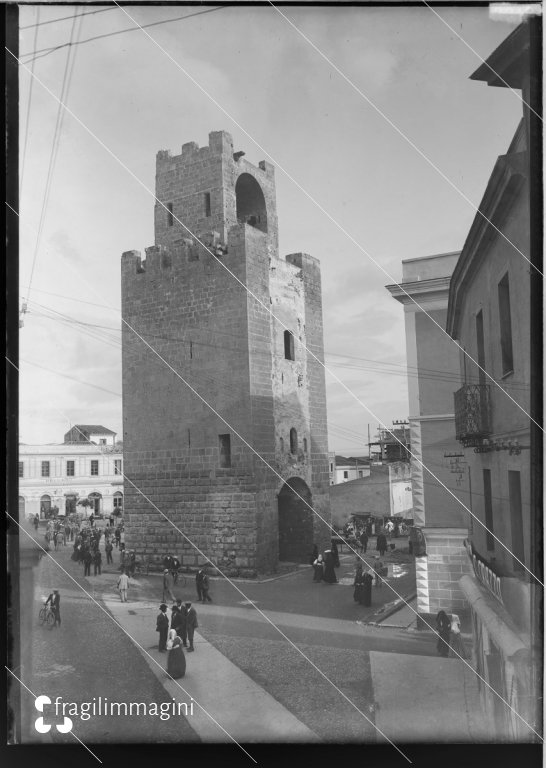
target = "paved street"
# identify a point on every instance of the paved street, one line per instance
(335, 700)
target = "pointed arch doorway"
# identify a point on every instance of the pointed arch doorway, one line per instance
(295, 521)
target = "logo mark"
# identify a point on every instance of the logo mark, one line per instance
(43, 727)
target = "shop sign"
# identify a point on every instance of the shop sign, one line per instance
(483, 573)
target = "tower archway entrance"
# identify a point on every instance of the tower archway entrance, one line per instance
(295, 521)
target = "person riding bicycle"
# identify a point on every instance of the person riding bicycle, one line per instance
(54, 600)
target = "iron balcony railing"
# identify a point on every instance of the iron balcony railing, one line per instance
(472, 414)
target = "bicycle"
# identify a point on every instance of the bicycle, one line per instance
(46, 615)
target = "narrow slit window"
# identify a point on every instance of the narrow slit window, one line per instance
(225, 450)
(288, 346)
(170, 217)
(293, 441)
(281, 444)
(505, 321)
(305, 445)
(207, 204)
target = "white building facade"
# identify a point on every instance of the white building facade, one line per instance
(61, 475)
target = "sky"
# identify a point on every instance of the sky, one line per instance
(386, 201)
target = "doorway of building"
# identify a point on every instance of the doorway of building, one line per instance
(95, 499)
(45, 506)
(295, 522)
(70, 504)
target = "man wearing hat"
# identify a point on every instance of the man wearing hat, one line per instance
(162, 626)
(191, 623)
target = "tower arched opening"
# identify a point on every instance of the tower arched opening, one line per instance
(250, 201)
(295, 521)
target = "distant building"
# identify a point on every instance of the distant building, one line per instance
(384, 492)
(343, 469)
(90, 433)
(60, 475)
(489, 315)
(433, 365)
(391, 444)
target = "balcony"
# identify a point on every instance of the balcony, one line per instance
(472, 414)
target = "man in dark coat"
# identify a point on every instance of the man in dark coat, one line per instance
(191, 623)
(335, 554)
(364, 541)
(36, 522)
(97, 562)
(178, 622)
(199, 584)
(381, 544)
(205, 586)
(87, 560)
(162, 626)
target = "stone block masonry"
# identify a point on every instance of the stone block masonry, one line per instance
(251, 370)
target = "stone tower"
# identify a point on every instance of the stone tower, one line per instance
(259, 383)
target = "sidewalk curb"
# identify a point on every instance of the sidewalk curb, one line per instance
(399, 604)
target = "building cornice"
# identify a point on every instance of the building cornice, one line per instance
(431, 289)
(509, 175)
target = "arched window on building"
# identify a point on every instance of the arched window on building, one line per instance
(305, 445)
(289, 346)
(118, 500)
(293, 441)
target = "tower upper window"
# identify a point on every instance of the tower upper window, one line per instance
(170, 217)
(250, 199)
(293, 440)
(288, 346)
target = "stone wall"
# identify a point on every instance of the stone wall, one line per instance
(191, 329)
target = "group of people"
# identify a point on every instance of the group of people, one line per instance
(449, 635)
(183, 623)
(58, 532)
(324, 565)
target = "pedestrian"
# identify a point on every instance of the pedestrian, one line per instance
(162, 626)
(123, 585)
(367, 581)
(363, 541)
(174, 569)
(335, 554)
(205, 586)
(55, 539)
(97, 562)
(180, 623)
(456, 640)
(314, 555)
(318, 568)
(443, 625)
(358, 584)
(108, 549)
(329, 572)
(36, 522)
(54, 600)
(117, 537)
(198, 582)
(111, 520)
(191, 623)
(168, 585)
(87, 560)
(91, 520)
(176, 661)
(381, 545)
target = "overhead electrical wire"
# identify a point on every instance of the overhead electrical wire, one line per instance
(63, 18)
(39, 54)
(27, 122)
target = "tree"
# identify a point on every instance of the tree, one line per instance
(85, 503)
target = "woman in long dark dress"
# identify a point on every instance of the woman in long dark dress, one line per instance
(176, 661)
(444, 630)
(381, 545)
(329, 573)
(335, 554)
